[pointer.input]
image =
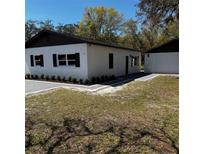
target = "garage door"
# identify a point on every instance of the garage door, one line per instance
(162, 62)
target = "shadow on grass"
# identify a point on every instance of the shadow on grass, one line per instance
(114, 138)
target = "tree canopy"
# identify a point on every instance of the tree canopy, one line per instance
(100, 23)
(32, 27)
(159, 21)
(155, 23)
(157, 13)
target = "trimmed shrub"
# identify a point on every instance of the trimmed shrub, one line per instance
(102, 78)
(58, 78)
(63, 79)
(47, 77)
(42, 76)
(32, 76)
(93, 80)
(81, 81)
(74, 80)
(70, 79)
(98, 80)
(87, 82)
(28, 76)
(36, 76)
(53, 77)
(106, 78)
(112, 77)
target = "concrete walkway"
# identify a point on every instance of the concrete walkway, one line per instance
(147, 77)
(34, 86)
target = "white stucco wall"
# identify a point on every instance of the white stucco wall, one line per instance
(63, 71)
(162, 62)
(98, 61)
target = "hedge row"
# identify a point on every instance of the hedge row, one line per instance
(70, 79)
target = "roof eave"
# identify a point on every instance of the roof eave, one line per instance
(85, 40)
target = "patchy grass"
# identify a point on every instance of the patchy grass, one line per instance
(141, 118)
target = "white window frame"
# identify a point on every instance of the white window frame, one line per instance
(66, 59)
(62, 60)
(37, 60)
(134, 61)
(70, 60)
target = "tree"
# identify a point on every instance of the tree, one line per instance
(149, 38)
(131, 36)
(100, 23)
(66, 28)
(30, 29)
(159, 21)
(172, 30)
(156, 22)
(158, 13)
(47, 24)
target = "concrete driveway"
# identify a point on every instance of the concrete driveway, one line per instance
(34, 86)
(38, 86)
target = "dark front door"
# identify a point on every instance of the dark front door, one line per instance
(126, 65)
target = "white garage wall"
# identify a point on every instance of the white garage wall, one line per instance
(162, 62)
(63, 71)
(98, 61)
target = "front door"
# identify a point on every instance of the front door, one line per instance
(126, 65)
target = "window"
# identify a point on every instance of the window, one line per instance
(110, 60)
(62, 60)
(71, 59)
(36, 60)
(66, 59)
(134, 61)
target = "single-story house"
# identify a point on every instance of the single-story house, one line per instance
(163, 59)
(51, 53)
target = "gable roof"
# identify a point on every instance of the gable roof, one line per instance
(51, 38)
(171, 46)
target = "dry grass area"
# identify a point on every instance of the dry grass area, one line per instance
(141, 118)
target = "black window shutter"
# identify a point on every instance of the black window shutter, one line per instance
(110, 60)
(77, 59)
(135, 61)
(31, 59)
(54, 60)
(42, 62)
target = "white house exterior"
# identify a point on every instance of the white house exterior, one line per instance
(163, 59)
(49, 53)
(98, 61)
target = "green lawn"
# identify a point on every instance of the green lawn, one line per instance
(141, 118)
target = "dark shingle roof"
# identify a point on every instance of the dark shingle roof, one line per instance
(51, 38)
(171, 46)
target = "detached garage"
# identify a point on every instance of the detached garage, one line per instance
(163, 59)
